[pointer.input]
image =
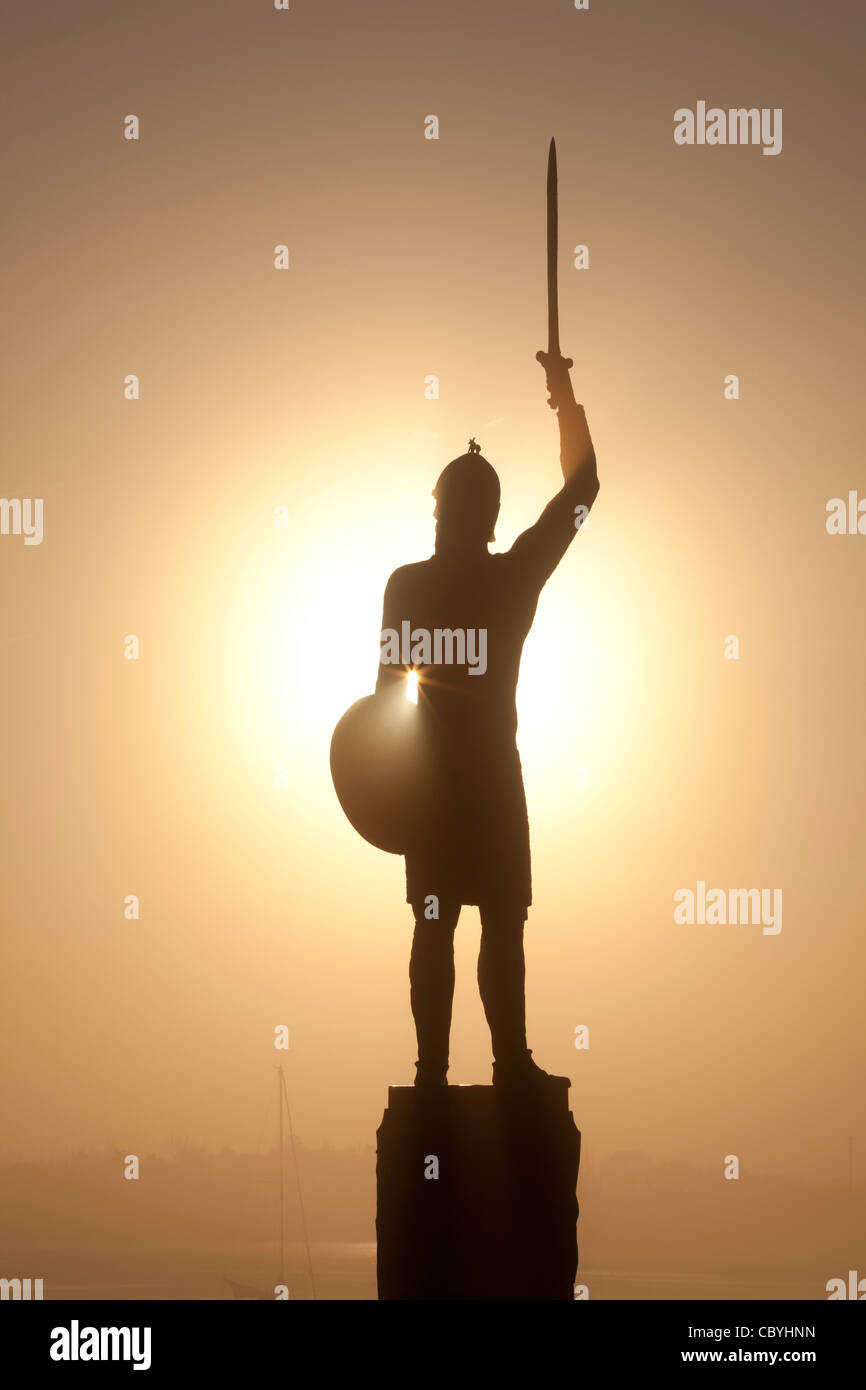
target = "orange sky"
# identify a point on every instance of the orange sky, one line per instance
(306, 389)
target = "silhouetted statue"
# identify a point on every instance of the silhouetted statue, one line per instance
(476, 1186)
(459, 619)
(440, 780)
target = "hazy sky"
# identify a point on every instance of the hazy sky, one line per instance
(304, 388)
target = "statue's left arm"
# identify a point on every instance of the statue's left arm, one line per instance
(391, 676)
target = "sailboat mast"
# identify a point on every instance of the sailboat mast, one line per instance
(281, 1086)
(297, 1180)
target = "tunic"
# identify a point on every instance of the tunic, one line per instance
(473, 845)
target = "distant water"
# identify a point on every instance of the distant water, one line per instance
(342, 1271)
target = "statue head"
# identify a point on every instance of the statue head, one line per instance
(467, 500)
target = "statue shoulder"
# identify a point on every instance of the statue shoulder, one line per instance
(406, 578)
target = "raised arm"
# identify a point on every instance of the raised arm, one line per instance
(540, 549)
(576, 453)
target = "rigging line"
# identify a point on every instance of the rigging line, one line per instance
(266, 1111)
(298, 1182)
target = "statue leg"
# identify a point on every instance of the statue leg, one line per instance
(501, 981)
(431, 990)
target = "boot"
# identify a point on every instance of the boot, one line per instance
(518, 1071)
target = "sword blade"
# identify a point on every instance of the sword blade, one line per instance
(552, 249)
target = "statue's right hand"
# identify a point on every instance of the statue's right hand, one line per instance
(556, 369)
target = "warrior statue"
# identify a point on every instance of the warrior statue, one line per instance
(463, 821)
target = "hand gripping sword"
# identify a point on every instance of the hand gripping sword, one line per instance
(555, 365)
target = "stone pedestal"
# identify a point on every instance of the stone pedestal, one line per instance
(477, 1194)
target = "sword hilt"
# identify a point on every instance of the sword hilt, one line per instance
(556, 369)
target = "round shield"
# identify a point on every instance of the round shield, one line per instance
(379, 761)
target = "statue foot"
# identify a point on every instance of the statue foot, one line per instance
(522, 1071)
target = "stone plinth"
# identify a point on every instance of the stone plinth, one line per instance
(477, 1194)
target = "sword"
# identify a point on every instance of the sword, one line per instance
(555, 365)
